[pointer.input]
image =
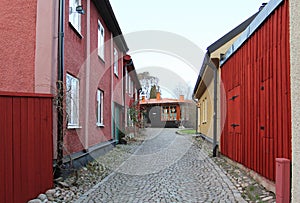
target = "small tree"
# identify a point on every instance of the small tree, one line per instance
(153, 92)
(147, 81)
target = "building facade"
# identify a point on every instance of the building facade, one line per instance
(207, 82)
(169, 113)
(295, 97)
(256, 76)
(90, 51)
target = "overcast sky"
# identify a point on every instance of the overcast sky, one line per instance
(194, 21)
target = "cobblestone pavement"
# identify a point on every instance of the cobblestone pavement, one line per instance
(166, 167)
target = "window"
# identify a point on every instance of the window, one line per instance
(100, 107)
(100, 40)
(204, 110)
(116, 62)
(129, 86)
(126, 78)
(74, 16)
(169, 113)
(72, 101)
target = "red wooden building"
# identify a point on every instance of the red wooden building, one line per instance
(256, 103)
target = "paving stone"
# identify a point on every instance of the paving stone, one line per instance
(172, 168)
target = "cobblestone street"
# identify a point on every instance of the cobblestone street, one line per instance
(166, 167)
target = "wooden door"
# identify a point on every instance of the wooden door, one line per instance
(234, 123)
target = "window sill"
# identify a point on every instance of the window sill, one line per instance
(100, 125)
(71, 127)
(101, 59)
(75, 30)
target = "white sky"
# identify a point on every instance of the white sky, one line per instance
(201, 22)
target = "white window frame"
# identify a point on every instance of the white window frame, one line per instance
(100, 104)
(116, 62)
(204, 111)
(72, 101)
(101, 35)
(126, 78)
(129, 85)
(74, 16)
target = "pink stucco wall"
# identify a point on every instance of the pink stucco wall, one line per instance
(17, 40)
(46, 46)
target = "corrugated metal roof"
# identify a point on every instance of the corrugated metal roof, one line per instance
(227, 37)
(254, 25)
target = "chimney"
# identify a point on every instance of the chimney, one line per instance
(181, 97)
(262, 6)
(158, 96)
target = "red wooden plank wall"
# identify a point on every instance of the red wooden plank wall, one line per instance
(25, 146)
(258, 75)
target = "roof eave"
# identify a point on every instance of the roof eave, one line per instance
(106, 12)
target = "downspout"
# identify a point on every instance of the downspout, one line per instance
(125, 65)
(113, 126)
(196, 101)
(60, 90)
(128, 75)
(215, 145)
(87, 82)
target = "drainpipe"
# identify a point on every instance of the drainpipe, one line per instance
(87, 79)
(196, 101)
(125, 65)
(60, 89)
(215, 146)
(113, 125)
(214, 68)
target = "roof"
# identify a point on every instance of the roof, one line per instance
(164, 101)
(106, 12)
(128, 62)
(219, 43)
(253, 26)
(227, 37)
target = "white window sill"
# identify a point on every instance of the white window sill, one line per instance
(101, 125)
(76, 30)
(70, 127)
(101, 58)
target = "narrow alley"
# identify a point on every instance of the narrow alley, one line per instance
(166, 167)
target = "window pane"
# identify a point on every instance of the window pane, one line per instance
(72, 100)
(100, 40)
(99, 107)
(116, 60)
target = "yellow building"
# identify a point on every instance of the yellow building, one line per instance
(205, 90)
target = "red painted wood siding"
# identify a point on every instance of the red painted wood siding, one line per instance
(258, 74)
(25, 146)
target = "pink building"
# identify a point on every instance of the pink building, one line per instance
(99, 82)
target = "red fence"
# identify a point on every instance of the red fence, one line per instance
(25, 146)
(257, 85)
